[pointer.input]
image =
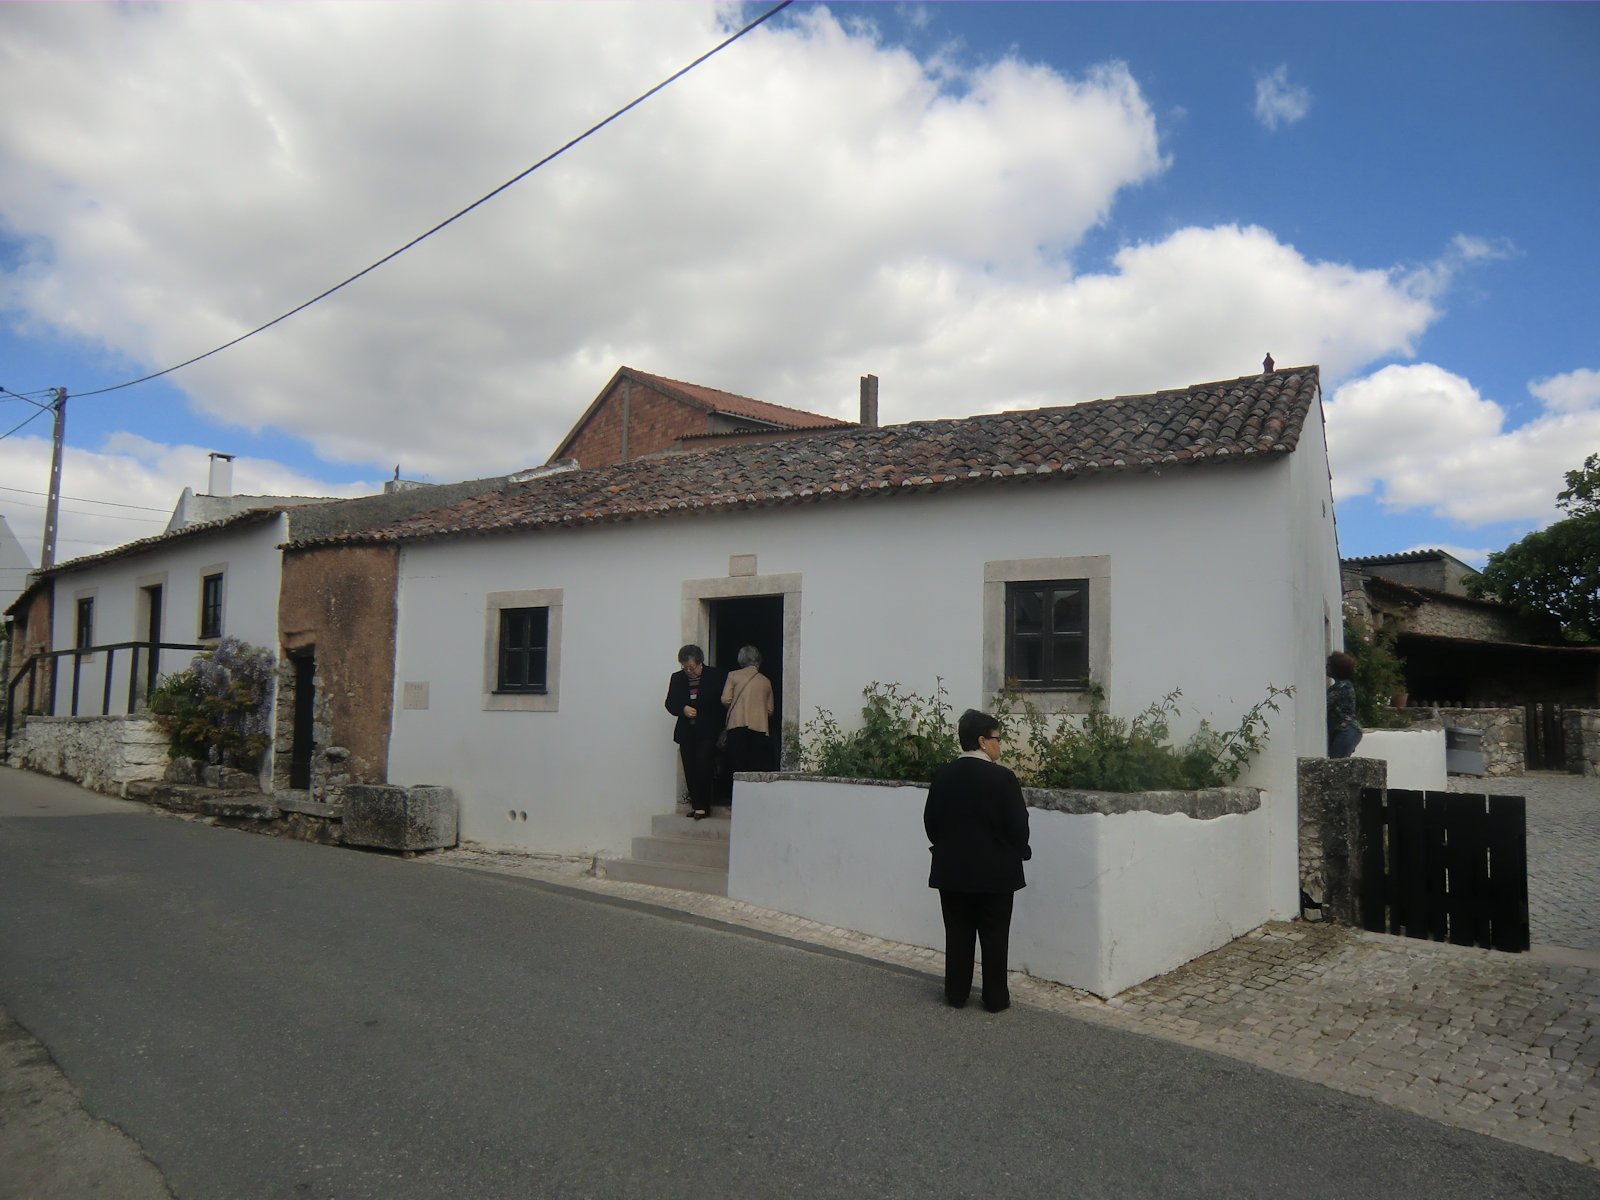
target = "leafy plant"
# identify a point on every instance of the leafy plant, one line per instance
(1380, 673)
(218, 709)
(902, 735)
(1106, 753)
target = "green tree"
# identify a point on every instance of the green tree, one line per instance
(1555, 572)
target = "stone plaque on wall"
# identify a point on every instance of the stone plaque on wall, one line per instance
(414, 695)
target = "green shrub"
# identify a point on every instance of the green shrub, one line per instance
(904, 736)
(1105, 753)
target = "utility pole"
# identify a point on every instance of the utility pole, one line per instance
(47, 554)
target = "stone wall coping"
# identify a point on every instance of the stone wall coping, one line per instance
(1202, 804)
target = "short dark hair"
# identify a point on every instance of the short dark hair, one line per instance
(974, 725)
(1341, 665)
(692, 653)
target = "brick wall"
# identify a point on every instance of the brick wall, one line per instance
(655, 423)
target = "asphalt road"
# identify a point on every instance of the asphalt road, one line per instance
(267, 1018)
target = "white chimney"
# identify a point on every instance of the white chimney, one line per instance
(221, 482)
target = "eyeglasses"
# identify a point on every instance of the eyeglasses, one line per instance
(991, 737)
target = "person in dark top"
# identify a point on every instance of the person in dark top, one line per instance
(977, 825)
(694, 696)
(1344, 731)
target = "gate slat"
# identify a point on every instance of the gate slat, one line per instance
(1408, 859)
(1464, 818)
(1435, 866)
(1375, 876)
(1508, 871)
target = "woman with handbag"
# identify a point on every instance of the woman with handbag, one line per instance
(748, 697)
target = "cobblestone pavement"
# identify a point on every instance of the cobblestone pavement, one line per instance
(1563, 853)
(1506, 1045)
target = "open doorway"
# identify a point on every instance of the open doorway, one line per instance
(303, 731)
(752, 621)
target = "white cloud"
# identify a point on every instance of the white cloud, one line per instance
(1576, 391)
(127, 488)
(808, 206)
(1421, 438)
(1279, 102)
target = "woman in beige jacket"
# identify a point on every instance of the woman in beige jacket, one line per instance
(748, 698)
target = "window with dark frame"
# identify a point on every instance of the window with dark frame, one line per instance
(85, 631)
(1047, 634)
(211, 606)
(524, 649)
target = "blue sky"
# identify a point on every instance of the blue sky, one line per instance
(989, 206)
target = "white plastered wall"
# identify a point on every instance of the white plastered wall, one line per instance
(1208, 567)
(250, 561)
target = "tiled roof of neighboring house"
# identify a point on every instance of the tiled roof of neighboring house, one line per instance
(714, 400)
(249, 517)
(1480, 645)
(1253, 418)
(1406, 556)
(1395, 589)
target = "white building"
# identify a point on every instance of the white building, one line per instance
(1188, 537)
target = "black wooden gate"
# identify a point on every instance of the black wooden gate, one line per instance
(1446, 866)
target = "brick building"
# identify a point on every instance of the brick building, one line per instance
(637, 415)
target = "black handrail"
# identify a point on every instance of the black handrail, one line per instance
(30, 668)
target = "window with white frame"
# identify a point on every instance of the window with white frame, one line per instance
(1047, 629)
(522, 651)
(83, 633)
(211, 605)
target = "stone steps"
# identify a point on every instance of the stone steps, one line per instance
(680, 853)
(197, 798)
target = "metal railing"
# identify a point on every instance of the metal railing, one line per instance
(29, 672)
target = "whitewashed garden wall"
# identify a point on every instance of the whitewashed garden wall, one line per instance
(1121, 887)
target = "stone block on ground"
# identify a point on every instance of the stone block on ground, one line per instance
(183, 770)
(246, 808)
(422, 817)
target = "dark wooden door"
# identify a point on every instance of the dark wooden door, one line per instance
(303, 737)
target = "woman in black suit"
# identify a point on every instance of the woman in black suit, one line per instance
(977, 823)
(694, 696)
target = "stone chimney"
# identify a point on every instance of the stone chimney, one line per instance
(869, 401)
(221, 481)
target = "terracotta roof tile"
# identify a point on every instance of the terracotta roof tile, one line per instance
(1258, 416)
(738, 406)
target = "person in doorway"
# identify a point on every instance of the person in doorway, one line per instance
(1344, 731)
(694, 696)
(748, 697)
(977, 826)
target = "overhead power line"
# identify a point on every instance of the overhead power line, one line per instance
(14, 428)
(79, 512)
(394, 254)
(86, 500)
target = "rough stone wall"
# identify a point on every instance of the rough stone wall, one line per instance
(1330, 831)
(1444, 618)
(339, 603)
(102, 753)
(655, 423)
(1581, 732)
(1505, 741)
